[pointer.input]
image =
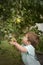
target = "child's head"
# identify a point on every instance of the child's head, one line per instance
(31, 38)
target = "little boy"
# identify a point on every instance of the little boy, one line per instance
(30, 40)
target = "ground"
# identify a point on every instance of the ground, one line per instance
(9, 55)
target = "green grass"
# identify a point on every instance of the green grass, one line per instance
(9, 54)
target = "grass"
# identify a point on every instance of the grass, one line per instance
(9, 54)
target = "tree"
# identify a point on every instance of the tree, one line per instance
(17, 15)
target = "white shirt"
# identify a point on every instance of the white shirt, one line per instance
(29, 57)
(30, 49)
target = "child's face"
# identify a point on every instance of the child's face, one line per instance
(25, 40)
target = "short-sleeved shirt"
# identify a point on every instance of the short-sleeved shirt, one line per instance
(29, 57)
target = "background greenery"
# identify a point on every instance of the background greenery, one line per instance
(16, 18)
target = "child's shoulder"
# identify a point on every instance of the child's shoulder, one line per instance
(29, 47)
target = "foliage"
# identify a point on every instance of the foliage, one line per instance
(9, 55)
(28, 8)
(17, 15)
(16, 18)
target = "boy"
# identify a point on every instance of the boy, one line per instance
(30, 40)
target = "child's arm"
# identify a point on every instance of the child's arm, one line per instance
(19, 47)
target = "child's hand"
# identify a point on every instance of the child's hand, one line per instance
(12, 42)
(13, 39)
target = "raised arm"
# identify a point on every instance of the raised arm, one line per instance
(19, 47)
